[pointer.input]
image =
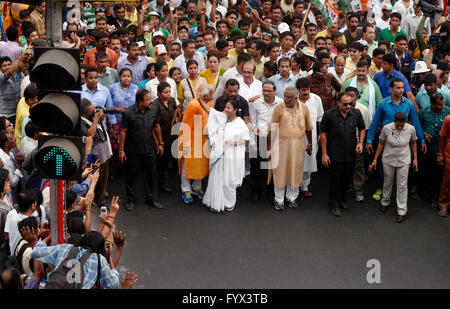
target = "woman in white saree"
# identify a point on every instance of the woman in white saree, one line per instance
(228, 135)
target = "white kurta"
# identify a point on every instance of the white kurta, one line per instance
(316, 112)
(227, 162)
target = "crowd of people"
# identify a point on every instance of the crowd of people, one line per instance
(220, 91)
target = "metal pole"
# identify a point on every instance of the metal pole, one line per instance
(57, 198)
(53, 23)
(54, 210)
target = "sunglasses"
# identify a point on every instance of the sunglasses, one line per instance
(353, 50)
(347, 104)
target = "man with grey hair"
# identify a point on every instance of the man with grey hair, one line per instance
(193, 162)
(290, 122)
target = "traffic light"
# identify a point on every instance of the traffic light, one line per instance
(56, 72)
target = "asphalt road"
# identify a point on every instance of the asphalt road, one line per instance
(257, 247)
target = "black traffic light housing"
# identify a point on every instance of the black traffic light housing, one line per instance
(56, 72)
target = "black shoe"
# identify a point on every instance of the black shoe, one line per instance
(343, 205)
(336, 211)
(383, 208)
(292, 204)
(165, 188)
(155, 204)
(279, 207)
(158, 205)
(129, 206)
(400, 218)
(255, 197)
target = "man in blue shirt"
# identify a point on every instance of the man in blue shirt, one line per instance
(432, 118)
(99, 95)
(400, 51)
(430, 85)
(384, 78)
(384, 115)
(137, 64)
(285, 78)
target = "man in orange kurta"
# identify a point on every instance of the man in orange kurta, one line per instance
(193, 163)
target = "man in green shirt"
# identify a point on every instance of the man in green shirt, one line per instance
(390, 34)
(369, 91)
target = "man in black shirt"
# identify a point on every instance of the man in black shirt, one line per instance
(339, 147)
(140, 132)
(231, 93)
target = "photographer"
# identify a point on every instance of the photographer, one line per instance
(92, 126)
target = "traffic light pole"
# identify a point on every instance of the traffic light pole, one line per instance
(57, 211)
(53, 25)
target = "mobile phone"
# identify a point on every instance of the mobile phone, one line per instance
(91, 159)
(103, 211)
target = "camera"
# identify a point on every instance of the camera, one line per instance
(106, 110)
(428, 8)
(436, 39)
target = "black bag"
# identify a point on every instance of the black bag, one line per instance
(58, 278)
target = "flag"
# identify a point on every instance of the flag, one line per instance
(345, 5)
(320, 5)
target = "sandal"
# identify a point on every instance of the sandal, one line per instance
(307, 194)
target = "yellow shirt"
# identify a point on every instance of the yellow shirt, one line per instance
(350, 65)
(259, 67)
(212, 80)
(23, 110)
(233, 53)
(169, 63)
(325, 34)
(374, 70)
(132, 17)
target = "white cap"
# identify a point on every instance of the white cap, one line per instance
(283, 27)
(140, 43)
(421, 67)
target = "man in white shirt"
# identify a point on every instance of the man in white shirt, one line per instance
(250, 88)
(11, 162)
(189, 53)
(27, 205)
(235, 73)
(315, 108)
(411, 22)
(383, 21)
(30, 141)
(260, 116)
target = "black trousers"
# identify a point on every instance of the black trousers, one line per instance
(429, 176)
(146, 163)
(259, 170)
(341, 174)
(163, 162)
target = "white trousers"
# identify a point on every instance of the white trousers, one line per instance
(306, 180)
(401, 177)
(291, 195)
(186, 183)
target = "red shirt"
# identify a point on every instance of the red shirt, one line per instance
(445, 134)
(89, 58)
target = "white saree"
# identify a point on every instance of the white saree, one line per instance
(226, 162)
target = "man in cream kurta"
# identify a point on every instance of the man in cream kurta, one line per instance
(290, 122)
